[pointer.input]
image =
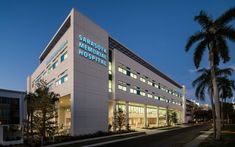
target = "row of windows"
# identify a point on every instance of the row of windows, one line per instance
(121, 86)
(63, 57)
(132, 109)
(55, 64)
(144, 80)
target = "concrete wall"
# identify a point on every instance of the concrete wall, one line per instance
(90, 81)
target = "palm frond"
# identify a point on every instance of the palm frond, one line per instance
(199, 80)
(200, 91)
(193, 39)
(226, 17)
(204, 19)
(199, 50)
(224, 72)
(223, 49)
(203, 70)
(228, 32)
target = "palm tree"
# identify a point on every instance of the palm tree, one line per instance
(226, 88)
(204, 83)
(213, 36)
(30, 99)
(46, 113)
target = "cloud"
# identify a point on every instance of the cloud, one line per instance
(192, 70)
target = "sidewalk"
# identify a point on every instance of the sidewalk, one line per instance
(196, 141)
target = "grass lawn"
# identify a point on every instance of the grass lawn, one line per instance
(228, 138)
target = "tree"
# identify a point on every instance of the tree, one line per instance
(46, 114)
(30, 99)
(213, 36)
(42, 106)
(120, 119)
(226, 88)
(173, 117)
(204, 83)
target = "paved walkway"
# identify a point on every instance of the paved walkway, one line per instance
(196, 141)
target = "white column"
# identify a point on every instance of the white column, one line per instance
(157, 120)
(167, 115)
(183, 104)
(114, 115)
(145, 116)
(127, 114)
(73, 128)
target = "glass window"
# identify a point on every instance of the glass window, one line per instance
(122, 70)
(110, 68)
(142, 79)
(150, 96)
(134, 76)
(63, 57)
(142, 93)
(150, 83)
(110, 86)
(123, 88)
(133, 91)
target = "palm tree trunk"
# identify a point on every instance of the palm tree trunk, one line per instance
(215, 96)
(222, 112)
(213, 115)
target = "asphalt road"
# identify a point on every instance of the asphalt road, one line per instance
(174, 138)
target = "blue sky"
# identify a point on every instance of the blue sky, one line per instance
(157, 30)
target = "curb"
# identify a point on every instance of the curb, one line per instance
(97, 139)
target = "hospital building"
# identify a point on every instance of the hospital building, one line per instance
(96, 76)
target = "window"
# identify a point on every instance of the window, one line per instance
(142, 93)
(122, 70)
(150, 83)
(138, 92)
(133, 75)
(53, 66)
(110, 68)
(63, 57)
(110, 86)
(128, 73)
(136, 109)
(150, 96)
(61, 80)
(142, 79)
(9, 110)
(162, 99)
(123, 88)
(64, 79)
(156, 97)
(133, 91)
(157, 86)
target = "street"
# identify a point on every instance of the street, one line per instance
(174, 138)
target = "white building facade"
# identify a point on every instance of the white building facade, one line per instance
(95, 76)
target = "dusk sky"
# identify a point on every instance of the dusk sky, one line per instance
(156, 30)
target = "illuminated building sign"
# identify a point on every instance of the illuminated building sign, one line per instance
(92, 50)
